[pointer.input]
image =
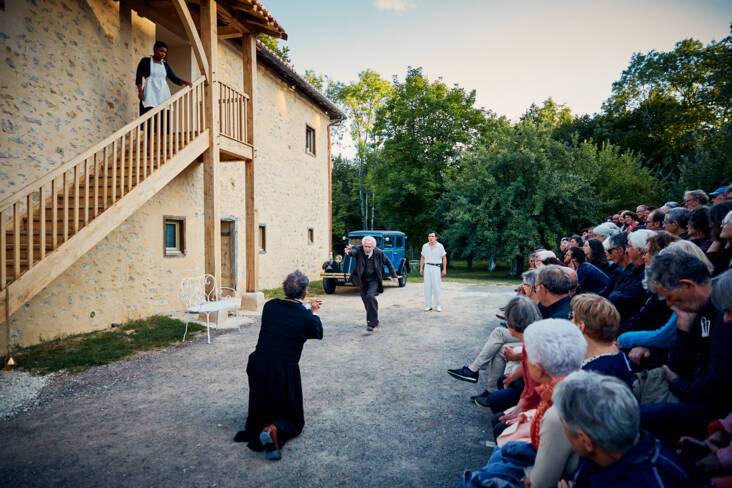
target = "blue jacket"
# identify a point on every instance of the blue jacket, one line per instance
(662, 338)
(649, 464)
(629, 295)
(591, 279)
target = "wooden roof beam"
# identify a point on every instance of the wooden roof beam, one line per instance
(185, 16)
(229, 32)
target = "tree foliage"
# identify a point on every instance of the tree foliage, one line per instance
(420, 133)
(283, 52)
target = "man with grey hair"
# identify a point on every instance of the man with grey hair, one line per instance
(695, 199)
(676, 221)
(627, 292)
(699, 370)
(368, 276)
(601, 420)
(554, 285)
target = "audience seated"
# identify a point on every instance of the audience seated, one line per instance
(676, 221)
(601, 420)
(699, 228)
(590, 279)
(720, 252)
(553, 292)
(555, 348)
(628, 294)
(699, 370)
(655, 284)
(520, 312)
(598, 320)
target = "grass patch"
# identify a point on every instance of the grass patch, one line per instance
(458, 271)
(315, 288)
(82, 351)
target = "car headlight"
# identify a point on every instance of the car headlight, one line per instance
(339, 259)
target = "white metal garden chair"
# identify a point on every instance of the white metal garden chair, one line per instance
(203, 295)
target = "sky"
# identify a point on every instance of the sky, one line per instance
(513, 53)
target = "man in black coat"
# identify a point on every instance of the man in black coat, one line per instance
(368, 276)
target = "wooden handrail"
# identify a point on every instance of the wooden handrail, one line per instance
(33, 186)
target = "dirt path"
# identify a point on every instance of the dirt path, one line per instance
(380, 409)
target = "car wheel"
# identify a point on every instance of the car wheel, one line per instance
(403, 281)
(329, 285)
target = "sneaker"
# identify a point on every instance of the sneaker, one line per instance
(464, 374)
(438, 308)
(482, 399)
(268, 438)
(427, 309)
(500, 316)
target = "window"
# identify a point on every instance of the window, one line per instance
(174, 236)
(262, 238)
(309, 140)
(388, 243)
(399, 242)
(311, 235)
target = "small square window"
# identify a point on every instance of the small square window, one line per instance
(311, 235)
(309, 140)
(174, 236)
(262, 238)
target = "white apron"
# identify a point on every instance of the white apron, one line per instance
(156, 86)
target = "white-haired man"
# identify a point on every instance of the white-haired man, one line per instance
(368, 276)
(433, 266)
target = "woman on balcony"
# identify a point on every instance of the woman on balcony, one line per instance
(155, 71)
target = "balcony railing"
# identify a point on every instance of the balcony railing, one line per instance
(233, 113)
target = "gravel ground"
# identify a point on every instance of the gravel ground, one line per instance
(19, 391)
(380, 409)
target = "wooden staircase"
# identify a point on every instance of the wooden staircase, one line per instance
(52, 222)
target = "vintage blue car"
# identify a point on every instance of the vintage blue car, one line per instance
(338, 271)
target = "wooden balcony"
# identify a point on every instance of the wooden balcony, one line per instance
(233, 124)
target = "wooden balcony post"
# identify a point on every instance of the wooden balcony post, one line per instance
(211, 222)
(249, 54)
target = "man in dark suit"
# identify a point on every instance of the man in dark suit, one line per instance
(369, 275)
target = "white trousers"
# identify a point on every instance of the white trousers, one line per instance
(432, 282)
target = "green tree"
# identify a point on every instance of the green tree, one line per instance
(361, 100)
(420, 133)
(666, 103)
(283, 52)
(346, 215)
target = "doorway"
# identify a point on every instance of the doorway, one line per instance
(228, 253)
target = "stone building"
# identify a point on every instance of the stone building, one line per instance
(103, 212)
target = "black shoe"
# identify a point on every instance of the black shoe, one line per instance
(464, 374)
(500, 316)
(369, 328)
(482, 399)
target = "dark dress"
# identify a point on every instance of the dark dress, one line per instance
(275, 388)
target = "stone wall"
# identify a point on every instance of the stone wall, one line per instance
(291, 186)
(68, 68)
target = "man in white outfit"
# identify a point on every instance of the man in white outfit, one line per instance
(433, 266)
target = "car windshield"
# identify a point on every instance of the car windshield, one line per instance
(356, 241)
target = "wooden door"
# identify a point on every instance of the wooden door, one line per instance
(228, 265)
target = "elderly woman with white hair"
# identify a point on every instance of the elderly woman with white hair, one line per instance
(605, 230)
(554, 349)
(601, 420)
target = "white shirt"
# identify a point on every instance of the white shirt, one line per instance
(433, 254)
